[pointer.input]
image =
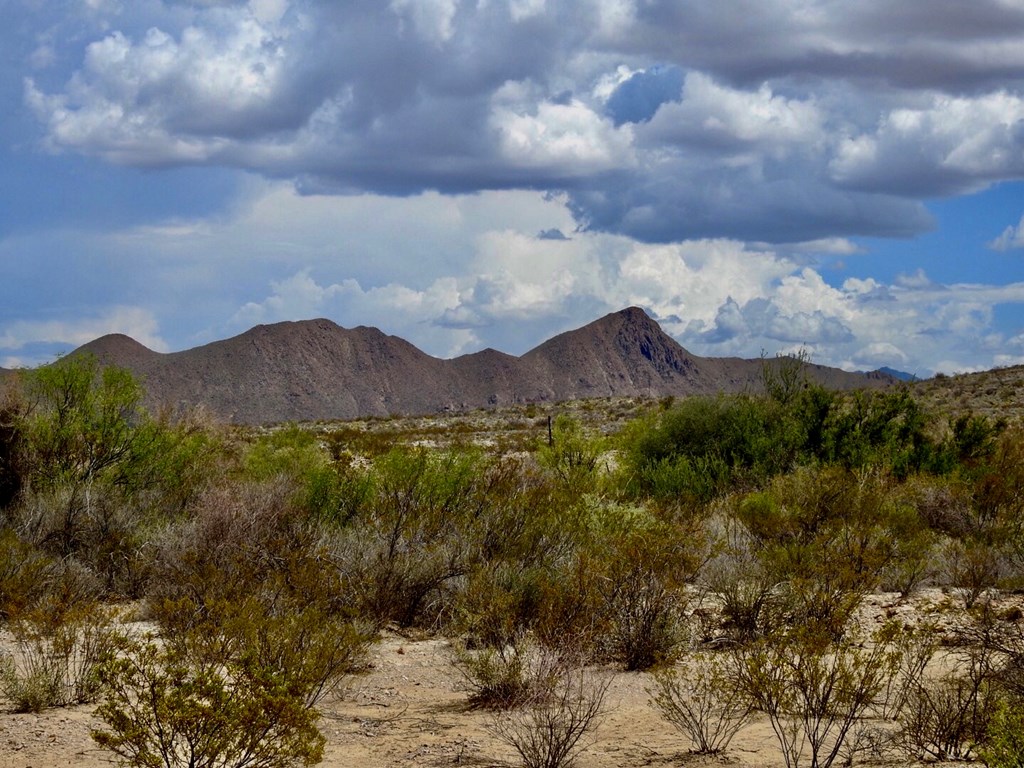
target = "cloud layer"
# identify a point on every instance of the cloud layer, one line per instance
(487, 272)
(779, 121)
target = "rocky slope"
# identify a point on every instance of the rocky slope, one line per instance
(315, 369)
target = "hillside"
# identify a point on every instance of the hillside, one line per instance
(316, 369)
(998, 392)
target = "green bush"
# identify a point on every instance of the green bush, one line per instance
(1004, 741)
(642, 585)
(573, 456)
(160, 708)
(827, 536)
(701, 446)
(26, 574)
(97, 470)
(56, 656)
(416, 535)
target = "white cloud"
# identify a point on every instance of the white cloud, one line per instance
(1011, 238)
(163, 100)
(879, 354)
(954, 144)
(807, 121)
(563, 139)
(718, 118)
(521, 10)
(136, 322)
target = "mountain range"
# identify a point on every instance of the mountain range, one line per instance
(315, 369)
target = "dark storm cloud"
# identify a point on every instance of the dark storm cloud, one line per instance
(771, 121)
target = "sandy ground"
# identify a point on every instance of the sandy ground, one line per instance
(410, 709)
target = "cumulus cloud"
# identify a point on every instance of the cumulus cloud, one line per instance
(954, 145)
(484, 275)
(1011, 238)
(661, 121)
(562, 140)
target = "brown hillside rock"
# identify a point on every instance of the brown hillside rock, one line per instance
(314, 369)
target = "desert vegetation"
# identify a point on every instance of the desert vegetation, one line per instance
(208, 588)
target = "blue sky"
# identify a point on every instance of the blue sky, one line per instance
(847, 178)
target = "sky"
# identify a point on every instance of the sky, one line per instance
(761, 176)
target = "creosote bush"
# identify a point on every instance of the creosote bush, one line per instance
(701, 697)
(814, 689)
(162, 708)
(550, 730)
(1004, 740)
(56, 656)
(508, 676)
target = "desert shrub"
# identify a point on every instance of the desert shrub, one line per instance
(102, 532)
(290, 451)
(739, 578)
(313, 649)
(325, 489)
(56, 655)
(701, 446)
(997, 640)
(997, 487)
(500, 603)
(524, 540)
(644, 606)
(99, 469)
(13, 467)
(883, 429)
(972, 567)
(944, 505)
(573, 608)
(813, 690)
(945, 719)
(26, 574)
(403, 555)
(521, 517)
(573, 456)
(913, 649)
(969, 445)
(700, 698)
(508, 676)
(337, 494)
(548, 731)
(785, 378)
(913, 564)
(238, 536)
(826, 536)
(161, 708)
(643, 563)
(1004, 740)
(998, 499)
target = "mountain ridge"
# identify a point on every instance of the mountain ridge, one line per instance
(316, 370)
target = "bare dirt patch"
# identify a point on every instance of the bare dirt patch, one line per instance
(410, 708)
